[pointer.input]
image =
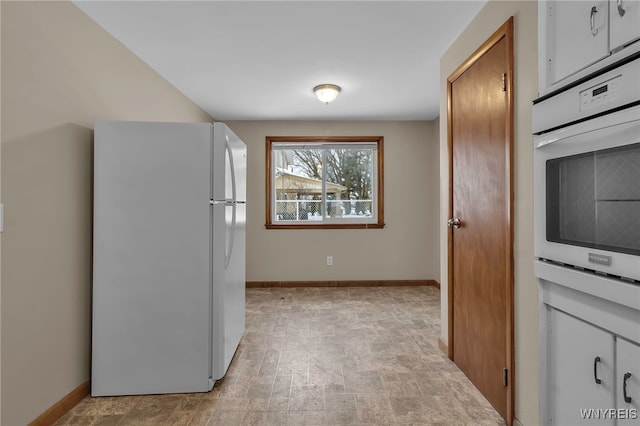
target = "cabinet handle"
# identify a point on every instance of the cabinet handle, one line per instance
(621, 10)
(592, 21)
(626, 377)
(596, 360)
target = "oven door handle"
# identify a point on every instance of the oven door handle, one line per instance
(627, 117)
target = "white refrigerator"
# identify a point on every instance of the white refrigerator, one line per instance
(168, 256)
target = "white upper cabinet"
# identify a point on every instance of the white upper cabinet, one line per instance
(575, 37)
(581, 37)
(624, 18)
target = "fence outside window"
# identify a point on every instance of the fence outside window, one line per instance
(302, 210)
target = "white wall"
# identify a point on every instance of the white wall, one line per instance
(407, 248)
(60, 73)
(489, 19)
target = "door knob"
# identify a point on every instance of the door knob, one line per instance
(454, 223)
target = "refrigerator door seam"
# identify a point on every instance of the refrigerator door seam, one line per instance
(211, 256)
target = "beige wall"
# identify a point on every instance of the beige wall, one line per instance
(60, 72)
(407, 248)
(492, 16)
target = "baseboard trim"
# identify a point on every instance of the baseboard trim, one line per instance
(363, 283)
(63, 406)
(443, 346)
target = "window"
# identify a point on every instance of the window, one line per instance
(324, 182)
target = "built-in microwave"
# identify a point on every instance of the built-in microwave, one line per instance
(587, 173)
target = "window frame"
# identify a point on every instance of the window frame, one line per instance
(344, 140)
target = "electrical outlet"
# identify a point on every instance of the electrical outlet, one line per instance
(329, 260)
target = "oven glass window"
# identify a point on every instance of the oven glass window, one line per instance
(593, 199)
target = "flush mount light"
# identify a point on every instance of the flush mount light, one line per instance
(327, 92)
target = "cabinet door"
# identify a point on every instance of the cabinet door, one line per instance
(578, 354)
(624, 22)
(628, 382)
(577, 36)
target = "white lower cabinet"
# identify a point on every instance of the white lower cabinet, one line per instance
(580, 370)
(628, 382)
(589, 348)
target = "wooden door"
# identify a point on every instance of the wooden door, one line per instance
(480, 250)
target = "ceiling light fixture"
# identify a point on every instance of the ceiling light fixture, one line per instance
(327, 92)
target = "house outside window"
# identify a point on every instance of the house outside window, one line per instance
(324, 182)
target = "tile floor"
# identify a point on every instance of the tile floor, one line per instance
(321, 356)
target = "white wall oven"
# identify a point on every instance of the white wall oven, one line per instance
(587, 172)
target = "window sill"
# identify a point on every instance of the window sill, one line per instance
(327, 226)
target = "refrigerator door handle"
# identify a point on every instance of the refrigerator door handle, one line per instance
(232, 169)
(233, 202)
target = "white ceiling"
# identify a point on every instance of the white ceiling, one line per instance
(259, 60)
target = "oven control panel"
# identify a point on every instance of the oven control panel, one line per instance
(606, 92)
(600, 94)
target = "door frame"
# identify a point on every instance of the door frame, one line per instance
(505, 31)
